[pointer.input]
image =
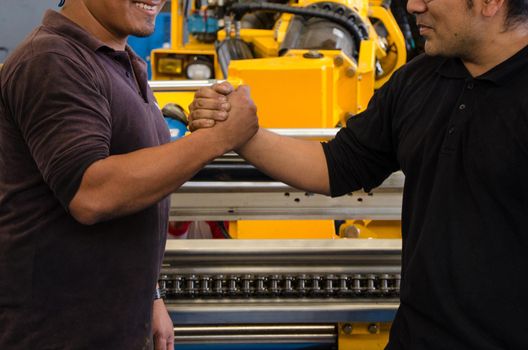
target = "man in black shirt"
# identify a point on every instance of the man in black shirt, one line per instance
(85, 171)
(455, 121)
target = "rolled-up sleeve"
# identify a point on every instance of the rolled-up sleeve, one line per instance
(363, 154)
(66, 122)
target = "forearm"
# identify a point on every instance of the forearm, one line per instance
(299, 163)
(124, 184)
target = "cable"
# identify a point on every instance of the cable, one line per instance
(359, 31)
(223, 229)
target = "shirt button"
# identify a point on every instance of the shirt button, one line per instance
(451, 130)
(462, 106)
(470, 85)
(128, 74)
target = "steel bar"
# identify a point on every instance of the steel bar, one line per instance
(280, 312)
(179, 85)
(256, 334)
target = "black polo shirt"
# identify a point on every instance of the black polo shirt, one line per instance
(462, 143)
(66, 101)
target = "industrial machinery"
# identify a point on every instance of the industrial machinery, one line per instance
(283, 293)
(305, 294)
(310, 64)
(302, 270)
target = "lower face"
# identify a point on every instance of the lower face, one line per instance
(145, 17)
(127, 17)
(448, 31)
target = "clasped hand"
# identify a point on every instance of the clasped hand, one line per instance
(230, 113)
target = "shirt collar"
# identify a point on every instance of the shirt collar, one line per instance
(505, 71)
(500, 74)
(61, 24)
(56, 22)
(453, 68)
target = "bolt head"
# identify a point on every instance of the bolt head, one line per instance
(347, 328)
(373, 328)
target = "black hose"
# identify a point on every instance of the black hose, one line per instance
(400, 14)
(223, 229)
(358, 31)
(386, 4)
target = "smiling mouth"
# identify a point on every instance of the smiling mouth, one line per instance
(423, 28)
(144, 6)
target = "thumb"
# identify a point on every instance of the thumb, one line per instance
(244, 90)
(224, 88)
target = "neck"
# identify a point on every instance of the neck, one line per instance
(82, 16)
(496, 50)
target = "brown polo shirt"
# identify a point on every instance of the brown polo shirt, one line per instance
(66, 101)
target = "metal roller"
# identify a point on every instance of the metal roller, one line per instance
(281, 281)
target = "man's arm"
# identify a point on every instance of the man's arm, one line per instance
(162, 327)
(123, 184)
(299, 163)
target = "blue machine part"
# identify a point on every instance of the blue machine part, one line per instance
(160, 38)
(176, 127)
(200, 24)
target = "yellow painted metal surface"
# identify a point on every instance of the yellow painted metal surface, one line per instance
(298, 92)
(263, 41)
(397, 56)
(363, 336)
(185, 53)
(367, 229)
(184, 99)
(281, 27)
(365, 75)
(282, 229)
(177, 24)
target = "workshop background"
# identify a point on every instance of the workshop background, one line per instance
(17, 19)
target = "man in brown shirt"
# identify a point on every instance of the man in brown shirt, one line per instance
(85, 171)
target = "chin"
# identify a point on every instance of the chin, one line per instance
(143, 32)
(431, 50)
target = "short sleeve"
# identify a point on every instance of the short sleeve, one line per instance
(63, 116)
(363, 154)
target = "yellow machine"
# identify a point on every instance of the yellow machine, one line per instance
(311, 65)
(315, 69)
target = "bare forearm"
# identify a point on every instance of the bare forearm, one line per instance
(124, 184)
(299, 163)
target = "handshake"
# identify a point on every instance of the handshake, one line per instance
(229, 114)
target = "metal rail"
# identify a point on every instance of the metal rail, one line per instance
(183, 254)
(199, 313)
(180, 85)
(393, 183)
(236, 200)
(256, 334)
